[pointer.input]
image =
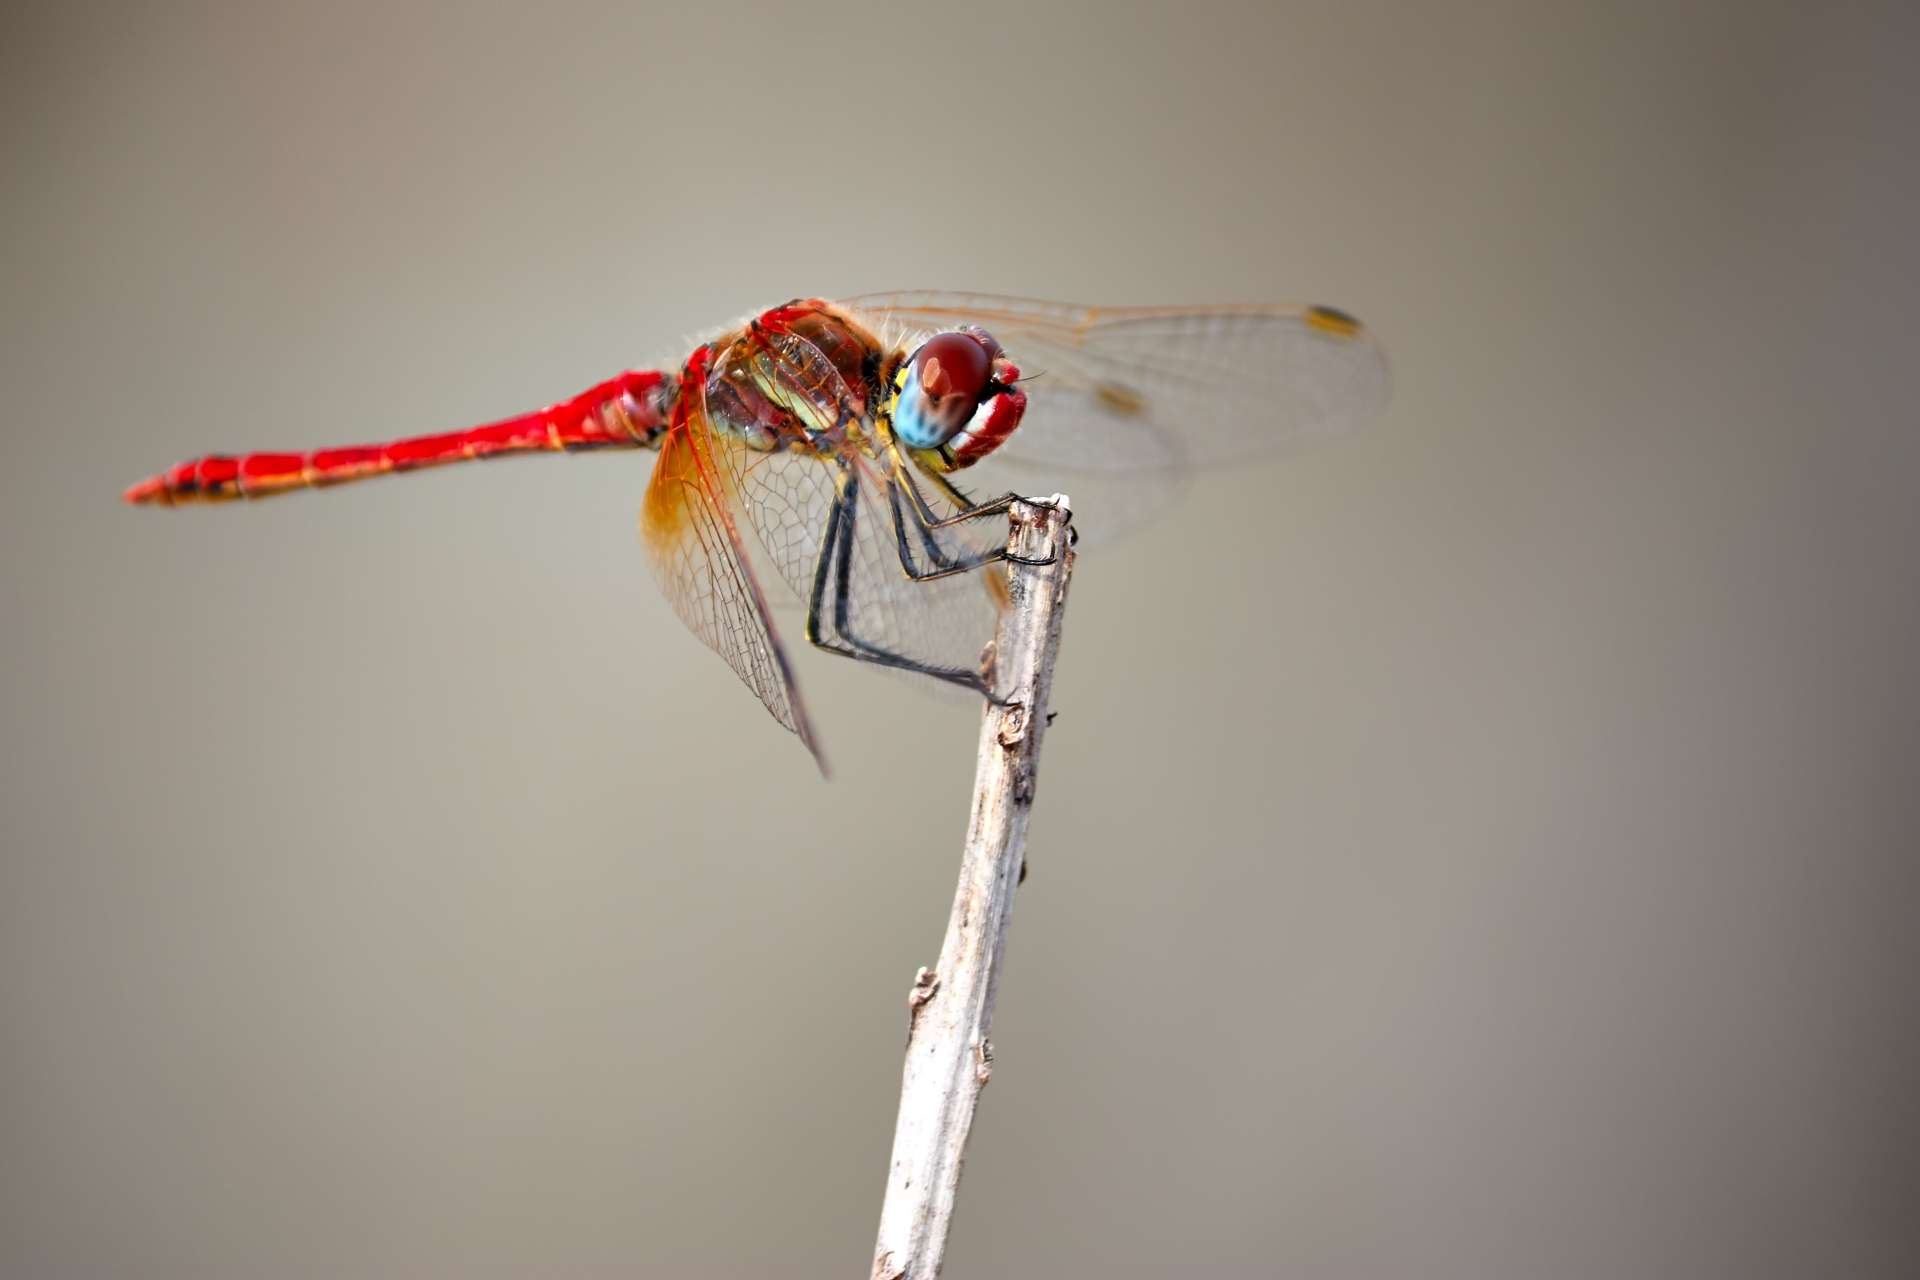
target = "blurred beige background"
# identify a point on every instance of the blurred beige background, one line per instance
(1480, 848)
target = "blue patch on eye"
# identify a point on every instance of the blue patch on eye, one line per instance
(910, 423)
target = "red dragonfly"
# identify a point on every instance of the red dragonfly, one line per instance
(822, 441)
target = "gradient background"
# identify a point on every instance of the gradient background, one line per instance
(1480, 848)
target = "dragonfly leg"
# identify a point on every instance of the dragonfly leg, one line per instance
(901, 485)
(968, 509)
(834, 569)
(973, 510)
(943, 564)
(928, 542)
(965, 508)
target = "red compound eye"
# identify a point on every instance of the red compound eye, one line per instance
(953, 364)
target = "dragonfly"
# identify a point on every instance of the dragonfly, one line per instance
(862, 453)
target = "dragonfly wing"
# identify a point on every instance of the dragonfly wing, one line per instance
(938, 625)
(793, 496)
(1152, 388)
(687, 524)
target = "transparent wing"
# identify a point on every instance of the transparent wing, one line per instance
(940, 623)
(825, 514)
(861, 591)
(694, 544)
(943, 622)
(1132, 388)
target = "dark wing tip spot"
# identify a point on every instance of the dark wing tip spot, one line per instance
(1332, 320)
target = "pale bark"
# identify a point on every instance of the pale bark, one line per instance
(949, 1055)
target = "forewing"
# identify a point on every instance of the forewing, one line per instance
(1130, 388)
(695, 546)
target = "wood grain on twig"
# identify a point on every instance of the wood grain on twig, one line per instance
(950, 1007)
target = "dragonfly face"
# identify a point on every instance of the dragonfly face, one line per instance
(954, 399)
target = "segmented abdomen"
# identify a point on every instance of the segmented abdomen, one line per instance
(625, 412)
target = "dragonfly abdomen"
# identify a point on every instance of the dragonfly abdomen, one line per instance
(625, 412)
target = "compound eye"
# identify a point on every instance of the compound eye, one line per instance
(953, 364)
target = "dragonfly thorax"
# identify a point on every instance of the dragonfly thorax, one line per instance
(801, 376)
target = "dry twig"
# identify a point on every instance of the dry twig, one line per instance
(949, 1055)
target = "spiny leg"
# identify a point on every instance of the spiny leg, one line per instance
(970, 510)
(901, 482)
(965, 508)
(835, 567)
(931, 544)
(945, 565)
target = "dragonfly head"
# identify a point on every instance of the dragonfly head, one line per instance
(954, 399)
